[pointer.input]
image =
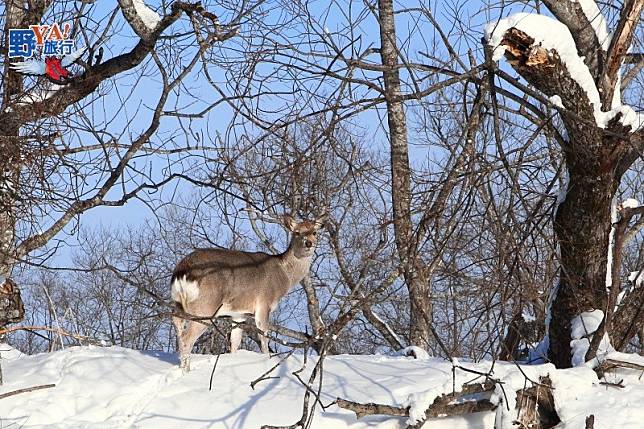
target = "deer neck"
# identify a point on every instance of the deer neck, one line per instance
(295, 268)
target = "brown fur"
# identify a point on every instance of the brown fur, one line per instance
(241, 283)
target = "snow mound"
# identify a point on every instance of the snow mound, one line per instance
(415, 352)
(121, 388)
(8, 353)
(582, 327)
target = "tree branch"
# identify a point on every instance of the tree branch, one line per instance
(619, 44)
(572, 15)
(85, 84)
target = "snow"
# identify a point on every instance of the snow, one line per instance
(538, 353)
(611, 246)
(582, 328)
(630, 203)
(527, 317)
(415, 352)
(586, 323)
(636, 275)
(556, 100)
(149, 17)
(597, 21)
(39, 95)
(389, 329)
(117, 387)
(8, 353)
(552, 34)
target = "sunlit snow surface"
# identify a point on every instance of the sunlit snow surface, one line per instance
(121, 388)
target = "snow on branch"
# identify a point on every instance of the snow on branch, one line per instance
(621, 41)
(629, 203)
(141, 18)
(149, 17)
(550, 37)
(637, 278)
(597, 21)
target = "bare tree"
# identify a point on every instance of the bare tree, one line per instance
(52, 172)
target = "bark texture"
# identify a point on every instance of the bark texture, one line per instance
(11, 307)
(419, 293)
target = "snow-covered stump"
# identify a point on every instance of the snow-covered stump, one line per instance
(536, 406)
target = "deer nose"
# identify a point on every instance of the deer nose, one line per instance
(308, 243)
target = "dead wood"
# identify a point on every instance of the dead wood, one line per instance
(536, 406)
(610, 364)
(11, 307)
(443, 405)
(25, 390)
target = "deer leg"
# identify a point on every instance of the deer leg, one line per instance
(186, 343)
(179, 325)
(261, 321)
(236, 335)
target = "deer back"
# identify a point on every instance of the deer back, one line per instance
(234, 279)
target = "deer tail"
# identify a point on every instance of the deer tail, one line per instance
(184, 290)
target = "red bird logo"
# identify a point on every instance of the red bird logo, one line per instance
(52, 67)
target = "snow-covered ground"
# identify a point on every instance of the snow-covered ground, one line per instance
(121, 388)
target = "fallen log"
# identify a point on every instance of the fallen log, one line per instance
(443, 405)
(609, 364)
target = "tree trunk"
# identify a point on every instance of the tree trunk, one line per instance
(400, 181)
(582, 225)
(596, 159)
(10, 149)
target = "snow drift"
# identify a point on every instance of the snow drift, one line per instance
(118, 388)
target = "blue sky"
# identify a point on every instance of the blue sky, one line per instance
(144, 94)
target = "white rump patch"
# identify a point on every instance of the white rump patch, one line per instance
(184, 290)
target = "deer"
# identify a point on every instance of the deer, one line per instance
(219, 282)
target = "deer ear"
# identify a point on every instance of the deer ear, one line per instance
(289, 222)
(319, 222)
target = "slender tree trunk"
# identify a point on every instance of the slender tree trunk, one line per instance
(400, 180)
(10, 148)
(11, 307)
